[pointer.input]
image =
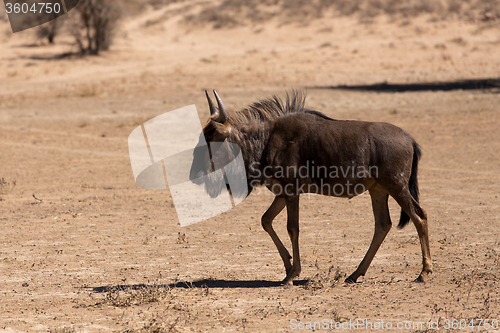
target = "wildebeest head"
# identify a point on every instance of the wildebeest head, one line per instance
(244, 131)
(219, 153)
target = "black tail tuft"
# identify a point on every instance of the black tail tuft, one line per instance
(413, 184)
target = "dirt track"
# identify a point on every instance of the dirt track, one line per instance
(96, 253)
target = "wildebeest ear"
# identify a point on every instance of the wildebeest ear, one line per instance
(222, 129)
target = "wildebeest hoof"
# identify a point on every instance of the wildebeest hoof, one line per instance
(350, 280)
(423, 276)
(420, 279)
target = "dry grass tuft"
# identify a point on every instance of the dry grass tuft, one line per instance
(6, 186)
(125, 296)
(156, 325)
(64, 329)
(323, 280)
(88, 90)
(479, 285)
(459, 41)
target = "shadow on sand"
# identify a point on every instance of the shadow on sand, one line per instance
(205, 283)
(429, 86)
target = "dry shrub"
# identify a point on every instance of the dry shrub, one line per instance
(50, 29)
(94, 23)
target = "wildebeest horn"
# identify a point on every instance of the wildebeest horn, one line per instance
(213, 109)
(222, 110)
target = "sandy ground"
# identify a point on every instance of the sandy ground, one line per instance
(83, 249)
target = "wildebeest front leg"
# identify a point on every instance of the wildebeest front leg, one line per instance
(382, 227)
(292, 225)
(267, 223)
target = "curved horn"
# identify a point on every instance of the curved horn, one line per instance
(222, 110)
(213, 109)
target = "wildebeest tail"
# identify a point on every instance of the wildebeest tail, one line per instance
(413, 185)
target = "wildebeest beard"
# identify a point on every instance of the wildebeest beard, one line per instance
(219, 166)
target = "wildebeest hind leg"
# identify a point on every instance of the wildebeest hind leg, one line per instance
(419, 219)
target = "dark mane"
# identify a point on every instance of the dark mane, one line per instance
(272, 108)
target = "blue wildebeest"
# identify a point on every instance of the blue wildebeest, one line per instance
(292, 150)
